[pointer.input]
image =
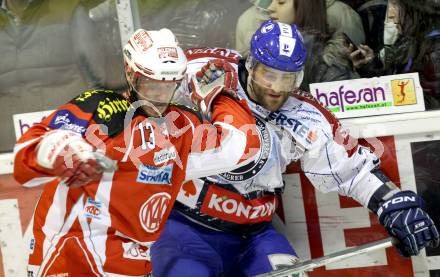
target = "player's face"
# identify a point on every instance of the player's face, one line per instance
(271, 87)
(157, 93)
(282, 11)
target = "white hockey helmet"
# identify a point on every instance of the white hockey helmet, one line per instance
(154, 65)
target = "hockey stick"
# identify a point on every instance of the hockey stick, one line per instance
(331, 258)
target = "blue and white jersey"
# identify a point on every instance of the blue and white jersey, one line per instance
(301, 130)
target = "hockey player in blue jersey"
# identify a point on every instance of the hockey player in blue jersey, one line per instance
(221, 225)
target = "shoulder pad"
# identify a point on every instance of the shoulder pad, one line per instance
(108, 108)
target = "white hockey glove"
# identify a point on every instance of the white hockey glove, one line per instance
(71, 158)
(217, 76)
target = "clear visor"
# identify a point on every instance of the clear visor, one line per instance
(155, 91)
(276, 80)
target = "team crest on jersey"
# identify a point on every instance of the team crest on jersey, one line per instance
(153, 210)
(155, 175)
(92, 209)
(250, 170)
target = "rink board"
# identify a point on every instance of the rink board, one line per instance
(316, 224)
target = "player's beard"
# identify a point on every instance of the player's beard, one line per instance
(266, 97)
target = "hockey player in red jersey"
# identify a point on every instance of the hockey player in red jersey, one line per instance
(112, 166)
(221, 225)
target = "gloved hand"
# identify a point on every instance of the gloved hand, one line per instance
(403, 217)
(70, 158)
(215, 77)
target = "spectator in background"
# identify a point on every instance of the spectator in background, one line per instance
(340, 18)
(328, 56)
(355, 4)
(373, 13)
(46, 57)
(248, 22)
(411, 44)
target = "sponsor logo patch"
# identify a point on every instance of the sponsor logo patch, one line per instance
(142, 40)
(297, 126)
(164, 155)
(287, 45)
(285, 29)
(167, 52)
(155, 175)
(153, 210)
(66, 120)
(108, 108)
(233, 207)
(267, 28)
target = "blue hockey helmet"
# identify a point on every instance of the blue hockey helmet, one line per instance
(278, 45)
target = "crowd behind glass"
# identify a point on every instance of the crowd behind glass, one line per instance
(52, 50)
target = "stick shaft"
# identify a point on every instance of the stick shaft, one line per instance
(330, 258)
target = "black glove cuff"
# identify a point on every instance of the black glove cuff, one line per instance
(383, 193)
(377, 197)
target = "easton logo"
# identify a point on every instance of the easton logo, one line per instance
(153, 210)
(233, 207)
(394, 201)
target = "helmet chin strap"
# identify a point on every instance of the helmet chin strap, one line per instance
(132, 94)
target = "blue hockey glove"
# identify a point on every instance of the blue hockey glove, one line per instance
(403, 217)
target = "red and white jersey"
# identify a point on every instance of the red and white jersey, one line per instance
(300, 131)
(105, 228)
